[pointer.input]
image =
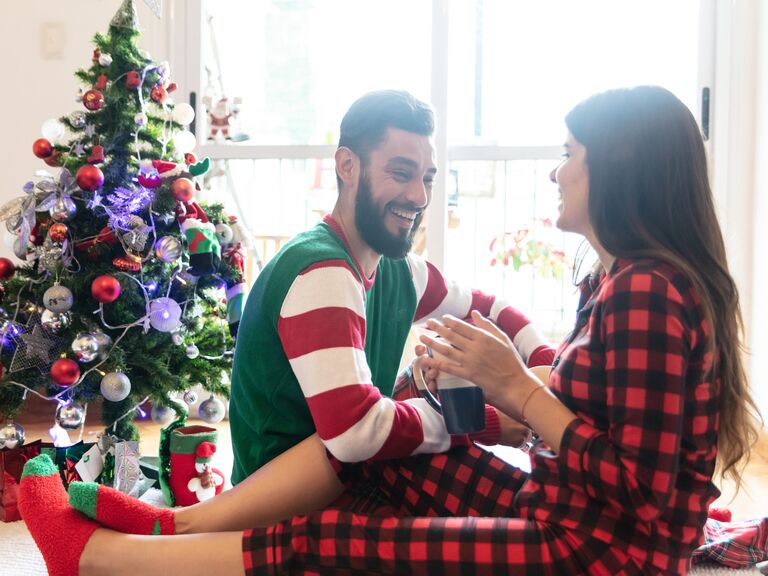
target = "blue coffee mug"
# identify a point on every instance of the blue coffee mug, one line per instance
(461, 403)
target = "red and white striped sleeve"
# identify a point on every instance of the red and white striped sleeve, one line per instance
(322, 329)
(436, 296)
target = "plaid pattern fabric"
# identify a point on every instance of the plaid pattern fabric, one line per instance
(627, 494)
(734, 544)
(635, 468)
(453, 514)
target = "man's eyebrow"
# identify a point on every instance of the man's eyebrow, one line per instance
(402, 162)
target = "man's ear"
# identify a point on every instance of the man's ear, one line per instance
(347, 166)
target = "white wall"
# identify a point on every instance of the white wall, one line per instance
(37, 87)
(759, 288)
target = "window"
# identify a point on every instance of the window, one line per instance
(501, 73)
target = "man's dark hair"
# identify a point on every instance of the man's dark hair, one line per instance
(365, 124)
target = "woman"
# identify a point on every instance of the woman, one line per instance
(647, 396)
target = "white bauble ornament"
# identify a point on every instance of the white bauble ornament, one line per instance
(53, 130)
(184, 141)
(164, 314)
(140, 119)
(58, 298)
(183, 113)
(190, 397)
(115, 386)
(212, 410)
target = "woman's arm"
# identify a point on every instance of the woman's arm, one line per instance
(484, 355)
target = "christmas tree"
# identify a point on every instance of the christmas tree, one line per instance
(129, 289)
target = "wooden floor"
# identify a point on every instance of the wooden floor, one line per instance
(750, 502)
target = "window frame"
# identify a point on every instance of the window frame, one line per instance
(186, 51)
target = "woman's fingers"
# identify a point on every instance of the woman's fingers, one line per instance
(441, 346)
(485, 324)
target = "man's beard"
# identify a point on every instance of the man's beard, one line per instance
(370, 224)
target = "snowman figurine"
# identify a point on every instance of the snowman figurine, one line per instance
(209, 481)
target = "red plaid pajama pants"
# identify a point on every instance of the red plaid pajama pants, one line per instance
(438, 514)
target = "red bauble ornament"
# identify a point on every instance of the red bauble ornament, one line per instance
(190, 158)
(89, 177)
(93, 100)
(58, 232)
(7, 269)
(105, 289)
(183, 189)
(65, 372)
(158, 94)
(42, 148)
(54, 160)
(132, 80)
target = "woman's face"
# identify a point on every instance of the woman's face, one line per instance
(572, 179)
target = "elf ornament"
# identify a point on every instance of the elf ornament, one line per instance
(204, 248)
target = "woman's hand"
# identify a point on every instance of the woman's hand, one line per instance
(484, 355)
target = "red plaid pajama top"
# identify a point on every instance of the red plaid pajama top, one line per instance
(628, 492)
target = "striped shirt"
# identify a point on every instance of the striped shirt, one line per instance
(341, 336)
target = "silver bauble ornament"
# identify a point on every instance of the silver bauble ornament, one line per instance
(58, 298)
(164, 314)
(212, 410)
(77, 119)
(224, 233)
(64, 210)
(12, 435)
(21, 253)
(70, 416)
(115, 386)
(190, 397)
(54, 321)
(168, 249)
(162, 415)
(192, 351)
(177, 339)
(85, 347)
(104, 342)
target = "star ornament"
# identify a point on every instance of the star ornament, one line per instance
(36, 348)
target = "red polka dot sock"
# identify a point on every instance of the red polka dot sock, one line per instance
(60, 532)
(118, 511)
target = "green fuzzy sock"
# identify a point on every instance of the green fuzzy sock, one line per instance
(118, 511)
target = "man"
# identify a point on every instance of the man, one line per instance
(324, 328)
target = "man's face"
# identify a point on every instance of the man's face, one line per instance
(394, 189)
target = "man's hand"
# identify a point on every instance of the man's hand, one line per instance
(513, 433)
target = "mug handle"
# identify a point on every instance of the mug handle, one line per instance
(421, 385)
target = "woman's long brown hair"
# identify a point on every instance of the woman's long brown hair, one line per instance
(649, 196)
